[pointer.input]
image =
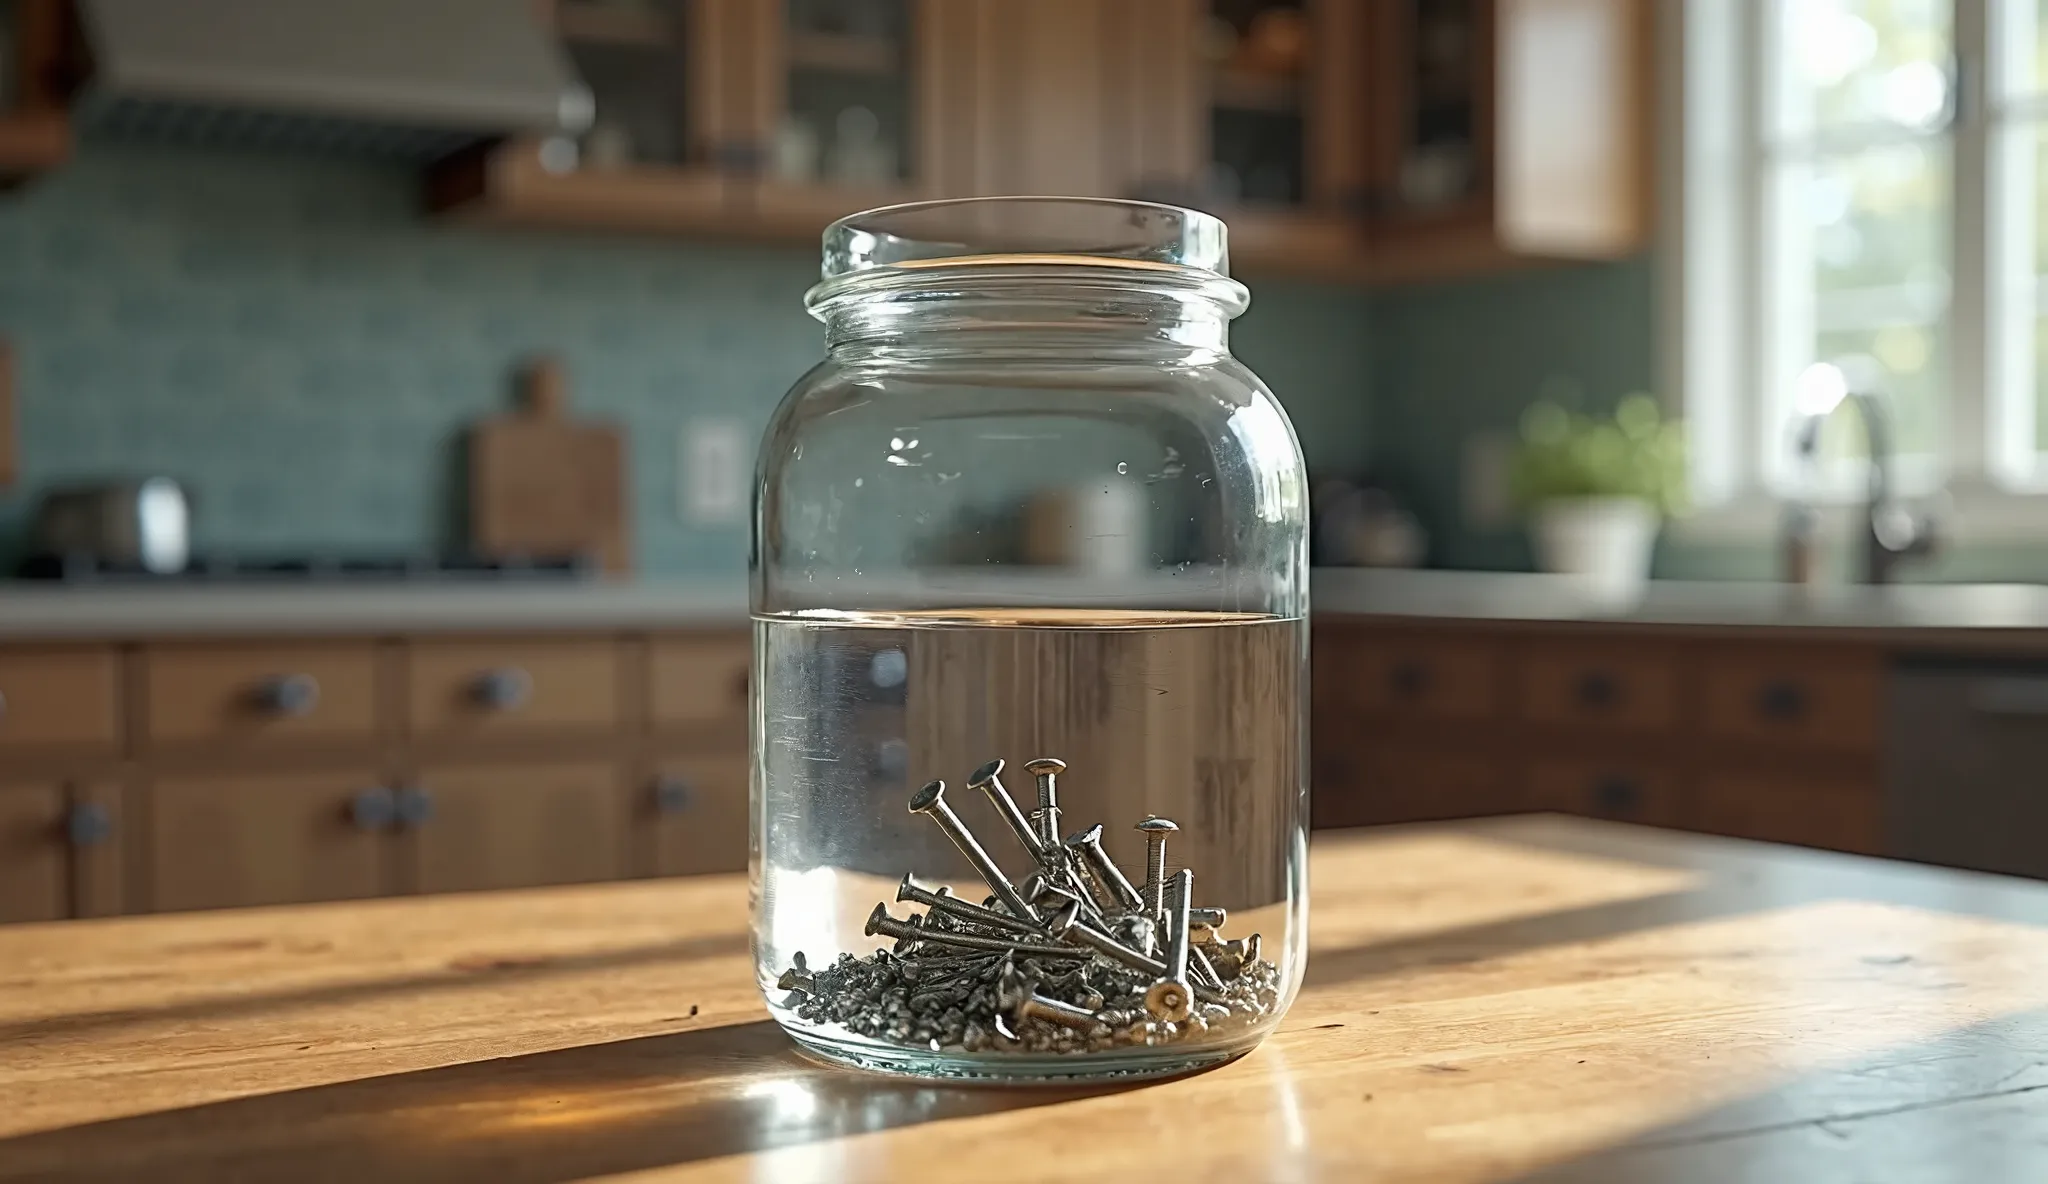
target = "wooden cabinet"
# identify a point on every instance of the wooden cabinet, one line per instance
(1621, 790)
(1506, 129)
(1798, 696)
(1617, 686)
(1814, 811)
(700, 682)
(234, 697)
(35, 134)
(219, 840)
(58, 699)
(1753, 737)
(463, 690)
(35, 862)
(510, 826)
(695, 815)
(1390, 139)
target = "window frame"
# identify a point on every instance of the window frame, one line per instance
(1715, 345)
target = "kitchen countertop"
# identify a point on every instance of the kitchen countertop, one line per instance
(1533, 999)
(1983, 611)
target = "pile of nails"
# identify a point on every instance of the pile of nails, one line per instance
(1071, 958)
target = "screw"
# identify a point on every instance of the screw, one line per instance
(1046, 768)
(932, 800)
(1019, 997)
(1155, 830)
(881, 924)
(989, 780)
(943, 901)
(1105, 871)
(1168, 999)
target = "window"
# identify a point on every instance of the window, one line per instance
(1863, 178)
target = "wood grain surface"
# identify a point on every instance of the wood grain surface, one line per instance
(1515, 1000)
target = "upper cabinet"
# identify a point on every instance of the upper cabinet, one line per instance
(1364, 139)
(34, 133)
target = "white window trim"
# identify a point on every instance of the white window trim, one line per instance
(1707, 242)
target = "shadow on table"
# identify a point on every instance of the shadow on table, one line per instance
(1968, 1105)
(542, 1117)
(460, 973)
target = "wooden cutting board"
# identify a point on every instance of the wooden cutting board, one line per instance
(544, 487)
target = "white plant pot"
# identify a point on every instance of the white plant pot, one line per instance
(1605, 539)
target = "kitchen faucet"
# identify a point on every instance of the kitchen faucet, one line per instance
(1891, 535)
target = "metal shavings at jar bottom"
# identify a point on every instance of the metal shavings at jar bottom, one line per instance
(1073, 958)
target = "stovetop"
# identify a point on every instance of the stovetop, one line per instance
(305, 569)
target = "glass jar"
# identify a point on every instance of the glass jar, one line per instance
(1030, 591)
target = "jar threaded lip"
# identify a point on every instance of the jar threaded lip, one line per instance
(979, 234)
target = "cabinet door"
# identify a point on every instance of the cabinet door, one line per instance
(514, 826)
(221, 841)
(1624, 791)
(695, 815)
(1840, 813)
(1384, 780)
(35, 865)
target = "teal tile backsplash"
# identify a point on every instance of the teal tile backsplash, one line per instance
(294, 340)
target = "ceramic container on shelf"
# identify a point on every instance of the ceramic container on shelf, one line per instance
(1026, 809)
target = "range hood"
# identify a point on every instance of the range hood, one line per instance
(412, 79)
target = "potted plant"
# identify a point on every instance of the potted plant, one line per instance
(1597, 488)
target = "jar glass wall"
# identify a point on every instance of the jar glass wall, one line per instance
(1029, 509)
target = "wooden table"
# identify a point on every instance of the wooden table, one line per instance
(1523, 999)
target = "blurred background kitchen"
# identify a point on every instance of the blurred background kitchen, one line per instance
(380, 384)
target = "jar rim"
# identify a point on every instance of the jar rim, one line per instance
(1086, 231)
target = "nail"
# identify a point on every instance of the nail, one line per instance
(1155, 830)
(1201, 970)
(881, 924)
(1104, 869)
(1019, 997)
(943, 901)
(1170, 997)
(932, 800)
(1046, 768)
(989, 780)
(1214, 918)
(1067, 926)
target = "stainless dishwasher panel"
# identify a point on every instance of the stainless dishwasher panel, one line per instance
(1966, 764)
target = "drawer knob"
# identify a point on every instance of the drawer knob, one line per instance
(1409, 679)
(673, 794)
(505, 689)
(1598, 690)
(88, 824)
(1781, 700)
(414, 807)
(1617, 797)
(288, 696)
(373, 809)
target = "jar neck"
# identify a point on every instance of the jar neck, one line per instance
(1088, 312)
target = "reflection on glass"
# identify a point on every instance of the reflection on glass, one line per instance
(630, 53)
(1863, 62)
(847, 109)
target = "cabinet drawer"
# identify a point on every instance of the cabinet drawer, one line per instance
(1621, 791)
(1838, 813)
(58, 697)
(700, 681)
(234, 695)
(695, 811)
(1398, 783)
(515, 826)
(1422, 678)
(1617, 686)
(1821, 697)
(234, 841)
(501, 688)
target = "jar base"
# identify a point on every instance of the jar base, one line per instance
(1134, 1064)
